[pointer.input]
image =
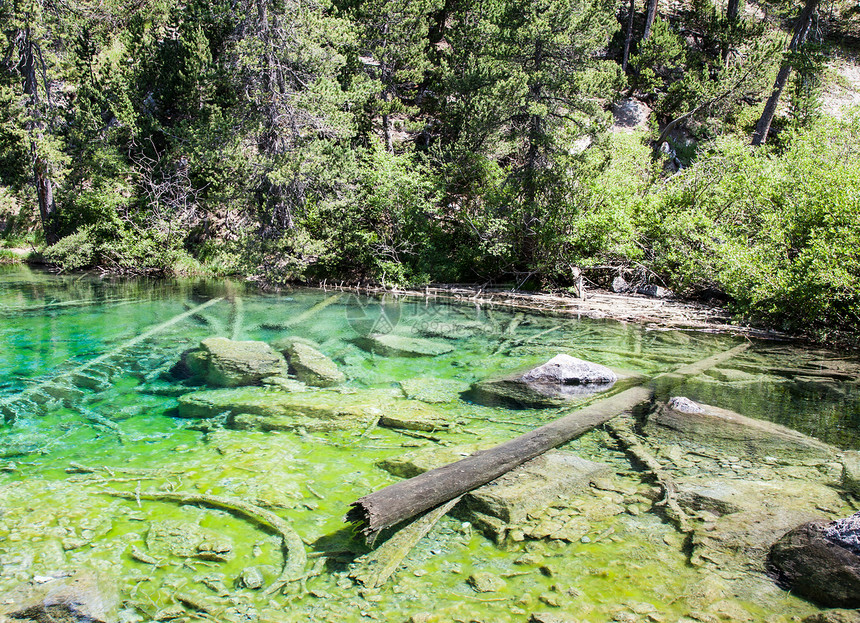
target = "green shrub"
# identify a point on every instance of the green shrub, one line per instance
(778, 232)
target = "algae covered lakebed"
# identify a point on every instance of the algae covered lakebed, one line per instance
(113, 411)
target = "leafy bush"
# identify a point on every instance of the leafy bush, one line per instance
(777, 232)
(122, 250)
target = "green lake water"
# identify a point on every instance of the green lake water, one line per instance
(83, 365)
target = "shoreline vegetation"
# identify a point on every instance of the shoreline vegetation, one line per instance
(710, 149)
(658, 314)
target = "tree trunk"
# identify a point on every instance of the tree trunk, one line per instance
(41, 178)
(649, 18)
(629, 36)
(732, 10)
(407, 498)
(801, 29)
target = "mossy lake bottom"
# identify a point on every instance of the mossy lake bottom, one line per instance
(92, 409)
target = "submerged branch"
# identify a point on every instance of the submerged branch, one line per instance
(295, 556)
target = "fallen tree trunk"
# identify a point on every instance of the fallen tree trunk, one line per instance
(406, 499)
(377, 566)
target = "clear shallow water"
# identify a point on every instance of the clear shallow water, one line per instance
(65, 411)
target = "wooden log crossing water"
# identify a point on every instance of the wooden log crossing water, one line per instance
(408, 498)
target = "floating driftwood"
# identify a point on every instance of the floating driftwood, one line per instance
(295, 556)
(376, 567)
(625, 434)
(407, 498)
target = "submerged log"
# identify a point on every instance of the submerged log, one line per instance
(624, 433)
(295, 556)
(406, 499)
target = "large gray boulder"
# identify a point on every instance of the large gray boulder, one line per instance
(566, 370)
(553, 384)
(227, 363)
(814, 566)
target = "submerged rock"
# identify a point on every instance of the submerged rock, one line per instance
(812, 565)
(227, 363)
(251, 577)
(186, 539)
(433, 390)
(485, 582)
(749, 516)
(851, 471)
(268, 409)
(413, 415)
(82, 598)
(312, 367)
(391, 345)
(731, 432)
(837, 615)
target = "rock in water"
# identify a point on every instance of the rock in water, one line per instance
(684, 405)
(82, 598)
(812, 565)
(845, 532)
(834, 616)
(433, 390)
(251, 577)
(251, 408)
(187, 540)
(227, 363)
(851, 471)
(391, 345)
(731, 432)
(312, 367)
(552, 384)
(485, 582)
(566, 370)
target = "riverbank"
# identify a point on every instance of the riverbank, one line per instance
(657, 314)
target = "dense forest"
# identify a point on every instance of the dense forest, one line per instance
(405, 142)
